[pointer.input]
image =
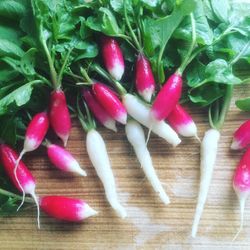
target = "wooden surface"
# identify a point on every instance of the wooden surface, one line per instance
(150, 225)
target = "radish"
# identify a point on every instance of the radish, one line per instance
(144, 78)
(59, 115)
(135, 135)
(34, 135)
(140, 112)
(99, 157)
(24, 182)
(241, 185)
(182, 122)
(111, 103)
(67, 209)
(209, 148)
(99, 112)
(241, 138)
(112, 57)
(167, 98)
(63, 160)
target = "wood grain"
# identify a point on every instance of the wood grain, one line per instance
(150, 224)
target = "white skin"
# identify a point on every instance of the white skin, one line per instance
(99, 157)
(140, 112)
(136, 137)
(209, 146)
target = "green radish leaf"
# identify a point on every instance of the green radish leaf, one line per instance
(28, 62)
(12, 9)
(8, 48)
(206, 95)
(243, 104)
(18, 97)
(221, 9)
(203, 31)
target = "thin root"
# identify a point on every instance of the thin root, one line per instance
(38, 209)
(18, 182)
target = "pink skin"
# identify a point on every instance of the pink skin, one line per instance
(63, 160)
(110, 102)
(144, 78)
(24, 182)
(241, 138)
(36, 131)
(97, 109)
(241, 184)
(182, 122)
(8, 159)
(67, 209)
(112, 57)
(59, 115)
(167, 98)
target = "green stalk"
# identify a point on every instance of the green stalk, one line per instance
(137, 44)
(191, 48)
(16, 196)
(219, 38)
(121, 90)
(59, 79)
(53, 73)
(85, 75)
(225, 107)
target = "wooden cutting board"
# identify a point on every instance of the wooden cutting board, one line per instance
(150, 224)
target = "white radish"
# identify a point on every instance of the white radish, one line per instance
(99, 157)
(209, 148)
(136, 137)
(141, 112)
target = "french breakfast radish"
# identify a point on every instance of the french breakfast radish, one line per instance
(135, 135)
(141, 113)
(111, 103)
(34, 136)
(241, 184)
(24, 182)
(167, 98)
(63, 159)
(144, 78)
(99, 157)
(182, 122)
(59, 115)
(241, 137)
(209, 146)
(112, 57)
(67, 209)
(98, 111)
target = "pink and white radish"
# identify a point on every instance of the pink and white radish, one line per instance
(209, 146)
(135, 135)
(144, 78)
(241, 184)
(99, 112)
(182, 122)
(24, 182)
(63, 159)
(167, 98)
(241, 137)
(67, 209)
(112, 57)
(59, 115)
(111, 103)
(34, 136)
(99, 157)
(141, 113)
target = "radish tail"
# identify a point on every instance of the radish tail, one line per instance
(198, 138)
(38, 208)
(242, 209)
(148, 135)
(15, 174)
